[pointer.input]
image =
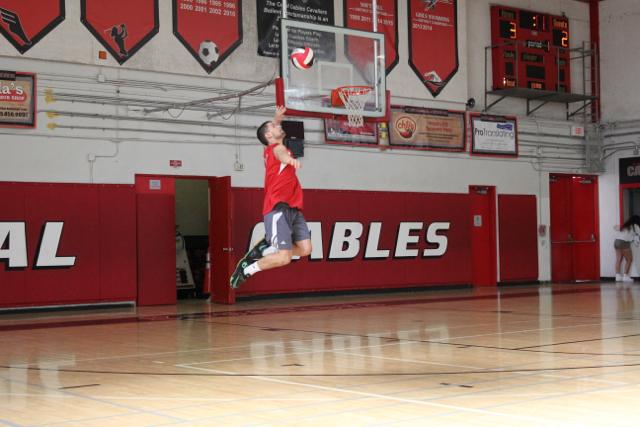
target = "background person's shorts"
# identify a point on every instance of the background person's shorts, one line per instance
(621, 244)
(284, 226)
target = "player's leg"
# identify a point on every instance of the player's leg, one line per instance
(301, 235)
(278, 234)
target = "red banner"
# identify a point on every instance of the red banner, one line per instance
(25, 22)
(210, 31)
(373, 240)
(121, 26)
(358, 15)
(433, 42)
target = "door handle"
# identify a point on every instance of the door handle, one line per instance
(227, 249)
(570, 237)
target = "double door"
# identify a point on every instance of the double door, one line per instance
(575, 244)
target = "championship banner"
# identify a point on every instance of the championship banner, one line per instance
(433, 42)
(424, 128)
(121, 26)
(339, 132)
(210, 32)
(25, 22)
(17, 99)
(358, 14)
(313, 11)
(494, 135)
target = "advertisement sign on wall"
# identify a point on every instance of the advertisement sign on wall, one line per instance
(494, 135)
(629, 170)
(424, 128)
(339, 131)
(17, 100)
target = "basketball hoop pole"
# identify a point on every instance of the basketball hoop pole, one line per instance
(284, 9)
(374, 5)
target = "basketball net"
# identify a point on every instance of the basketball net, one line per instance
(354, 99)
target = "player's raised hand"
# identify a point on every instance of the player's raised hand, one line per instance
(280, 112)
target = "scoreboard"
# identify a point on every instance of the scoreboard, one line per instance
(530, 50)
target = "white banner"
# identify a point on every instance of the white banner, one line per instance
(496, 135)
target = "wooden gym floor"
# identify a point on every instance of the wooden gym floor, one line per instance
(561, 355)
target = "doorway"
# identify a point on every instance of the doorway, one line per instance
(180, 221)
(575, 244)
(483, 235)
(192, 236)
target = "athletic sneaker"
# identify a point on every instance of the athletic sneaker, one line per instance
(238, 277)
(255, 253)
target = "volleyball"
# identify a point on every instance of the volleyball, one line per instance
(302, 58)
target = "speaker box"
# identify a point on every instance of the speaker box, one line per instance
(293, 129)
(294, 139)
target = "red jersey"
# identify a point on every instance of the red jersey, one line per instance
(280, 182)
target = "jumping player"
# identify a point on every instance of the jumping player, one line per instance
(286, 231)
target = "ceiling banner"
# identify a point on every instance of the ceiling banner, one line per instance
(433, 42)
(121, 26)
(25, 22)
(358, 15)
(210, 31)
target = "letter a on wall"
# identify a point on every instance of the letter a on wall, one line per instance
(433, 42)
(121, 26)
(25, 22)
(209, 31)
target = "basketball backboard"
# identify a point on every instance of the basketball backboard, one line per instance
(343, 57)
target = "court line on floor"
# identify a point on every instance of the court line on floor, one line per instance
(376, 395)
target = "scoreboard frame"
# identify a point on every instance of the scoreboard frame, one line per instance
(530, 50)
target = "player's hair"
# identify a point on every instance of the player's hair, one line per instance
(262, 132)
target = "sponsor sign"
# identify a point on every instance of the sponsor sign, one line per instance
(17, 99)
(494, 135)
(121, 26)
(427, 129)
(25, 22)
(629, 170)
(314, 11)
(358, 14)
(339, 131)
(210, 29)
(433, 42)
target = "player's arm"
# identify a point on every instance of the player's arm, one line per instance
(283, 156)
(280, 112)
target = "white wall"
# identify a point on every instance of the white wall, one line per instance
(620, 66)
(619, 53)
(107, 149)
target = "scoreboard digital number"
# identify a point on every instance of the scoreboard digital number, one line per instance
(530, 50)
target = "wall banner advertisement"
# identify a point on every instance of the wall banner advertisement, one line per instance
(17, 100)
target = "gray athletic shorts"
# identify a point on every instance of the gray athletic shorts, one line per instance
(284, 226)
(621, 244)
